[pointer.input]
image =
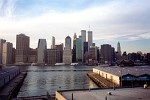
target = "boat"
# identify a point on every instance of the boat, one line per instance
(59, 64)
(74, 64)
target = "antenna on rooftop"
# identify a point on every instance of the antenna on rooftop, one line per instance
(89, 27)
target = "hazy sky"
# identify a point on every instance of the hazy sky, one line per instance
(127, 21)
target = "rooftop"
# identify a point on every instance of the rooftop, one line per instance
(119, 71)
(102, 94)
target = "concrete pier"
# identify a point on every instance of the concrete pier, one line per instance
(100, 81)
(11, 89)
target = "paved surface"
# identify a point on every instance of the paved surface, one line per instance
(102, 94)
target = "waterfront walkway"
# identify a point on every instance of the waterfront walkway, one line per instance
(100, 81)
(11, 89)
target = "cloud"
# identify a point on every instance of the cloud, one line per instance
(7, 8)
(117, 19)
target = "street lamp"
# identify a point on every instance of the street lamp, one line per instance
(121, 77)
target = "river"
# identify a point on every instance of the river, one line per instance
(43, 79)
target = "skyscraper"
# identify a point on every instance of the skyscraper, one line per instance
(106, 53)
(74, 48)
(85, 52)
(119, 48)
(68, 41)
(7, 53)
(53, 43)
(118, 51)
(79, 49)
(90, 38)
(59, 49)
(67, 55)
(22, 48)
(83, 34)
(41, 51)
(2, 41)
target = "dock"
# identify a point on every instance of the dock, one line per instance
(100, 81)
(12, 88)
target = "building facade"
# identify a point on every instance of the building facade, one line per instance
(59, 49)
(22, 48)
(90, 38)
(106, 53)
(7, 53)
(79, 49)
(83, 34)
(52, 56)
(33, 55)
(53, 43)
(67, 55)
(68, 41)
(41, 51)
(74, 48)
(2, 41)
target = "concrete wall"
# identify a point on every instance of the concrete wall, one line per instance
(113, 78)
(59, 96)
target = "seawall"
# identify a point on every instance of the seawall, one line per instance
(11, 89)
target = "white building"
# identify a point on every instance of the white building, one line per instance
(53, 43)
(1, 49)
(41, 51)
(7, 53)
(67, 55)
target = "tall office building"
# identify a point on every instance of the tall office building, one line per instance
(93, 53)
(7, 53)
(83, 34)
(106, 53)
(2, 41)
(85, 52)
(41, 51)
(79, 49)
(67, 55)
(52, 56)
(59, 49)
(22, 48)
(32, 56)
(74, 48)
(68, 41)
(119, 48)
(90, 38)
(53, 43)
(118, 51)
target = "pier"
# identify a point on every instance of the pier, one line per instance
(11, 86)
(100, 81)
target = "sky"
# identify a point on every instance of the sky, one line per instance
(126, 21)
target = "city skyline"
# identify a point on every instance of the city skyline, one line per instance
(110, 20)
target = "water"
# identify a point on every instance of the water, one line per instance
(42, 79)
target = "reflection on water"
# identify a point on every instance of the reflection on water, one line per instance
(39, 82)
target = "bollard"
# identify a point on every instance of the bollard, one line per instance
(72, 96)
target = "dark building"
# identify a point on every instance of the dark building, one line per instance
(106, 53)
(113, 54)
(22, 48)
(59, 49)
(33, 55)
(74, 49)
(85, 48)
(51, 56)
(148, 58)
